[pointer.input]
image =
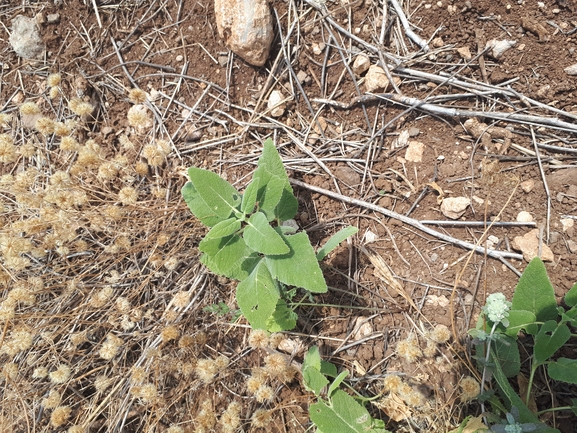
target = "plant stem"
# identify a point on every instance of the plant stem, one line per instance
(487, 355)
(552, 409)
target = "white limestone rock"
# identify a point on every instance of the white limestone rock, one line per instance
(25, 38)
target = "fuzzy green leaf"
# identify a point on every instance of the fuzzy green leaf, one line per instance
(535, 293)
(336, 383)
(520, 320)
(564, 369)
(571, 296)
(335, 240)
(314, 381)
(224, 228)
(283, 318)
(228, 256)
(550, 338)
(198, 207)
(342, 414)
(219, 195)
(506, 352)
(269, 193)
(261, 237)
(299, 267)
(249, 197)
(257, 296)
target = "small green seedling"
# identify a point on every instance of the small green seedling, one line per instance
(335, 411)
(250, 240)
(533, 311)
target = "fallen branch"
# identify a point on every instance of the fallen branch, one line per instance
(409, 221)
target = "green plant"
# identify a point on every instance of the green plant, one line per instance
(335, 411)
(251, 240)
(533, 311)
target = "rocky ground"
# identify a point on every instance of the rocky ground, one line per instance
(109, 322)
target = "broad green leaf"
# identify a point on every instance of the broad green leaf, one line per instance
(510, 396)
(271, 160)
(219, 195)
(506, 352)
(535, 293)
(335, 240)
(314, 381)
(283, 318)
(299, 267)
(342, 414)
(288, 205)
(520, 320)
(224, 228)
(336, 383)
(198, 207)
(257, 296)
(564, 369)
(312, 358)
(571, 296)
(549, 339)
(328, 369)
(228, 256)
(269, 193)
(261, 237)
(249, 197)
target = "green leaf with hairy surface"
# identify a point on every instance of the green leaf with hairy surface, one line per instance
(521, 320)
(535, 293)
(314, 381)
(228, 256)
(224, 228)
(261, 237)
(219, 195)
(288, 205)
(269, 193)
(343, 414)
(571, 296)
(549, 339)
(283, 318)
(336, 383)
(564, 370)
(299, 267)
(257, 296)
(328, 369)
(249, 197)
(198, 207)
(335, 240)
(506, 351)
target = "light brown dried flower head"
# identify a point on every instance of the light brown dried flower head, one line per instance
(128, 195)
(125, 142)
(275, 339)
(107, 171)
(102, 383)
(44, 125)
(53, 80)
(141, 168)
(7, 149)
(264, 393)
(148, 393)
(430, 349)
(153, 155)
(60, 415)
(78, 428)
(171, 263)
(440, 334)
(79, 107)
(137, 96)
(261, 418)
(69, 144)
(392, 383)
(54, 92)
(275, 364)
(60, 178)
(138, 375)
(221, 362)
(230, 418)
(409, 349)
(169, 333)
(29, 108)
(53, 400)
(123, 304)
(10, 371)
(174, 429)
(19, 341)
(27, 150)
(206, 418)
(110, 347)
(258, 338)
(206, 369)
(138, 117)
(5, 119)
(181, 299)
(62, 129)
(414, 398)
(61, 374)
(40, 373)
(470, 388)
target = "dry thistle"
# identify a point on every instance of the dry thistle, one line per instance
(230, 419)
(128, 195)
(110, 347)
(53, 400)
(470, 388)
(40, 373)
(69, 144)
(79, 107)
(7, 149)
(27, 150)
(392, 383)
(148, 393)
(102, 383)
(54, 92)
(138, 117)
(153, 155)
(275, 365)
(141, 168)
(62, 129)
(264, 393)
(440, 334)
(174, 429)
(53, 80)
(61, 374)
(137, 96)
(206, 369)
(206, 418)
(261, 418)
(19, 341)
(169, 333)
(181, 299)
(29, 108)
(60, 415)
(10, 371)
(44, 125)
(258, 338)
(5, 120)
(409, 349)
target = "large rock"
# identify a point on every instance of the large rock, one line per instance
(246, 27)
(25, 38)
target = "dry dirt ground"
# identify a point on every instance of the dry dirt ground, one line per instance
(104, 319)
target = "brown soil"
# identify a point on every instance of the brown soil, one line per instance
(172, 50)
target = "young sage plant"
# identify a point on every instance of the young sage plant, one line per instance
(250, 240)
(534, 312)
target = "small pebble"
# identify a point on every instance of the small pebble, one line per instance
(434, 257)
(53, 18)
(528, 185)
(179, 58)
(524, 217)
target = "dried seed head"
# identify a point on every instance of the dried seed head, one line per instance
(101, 383)
(181, 299)
(125, 142)
(275, 364)
(7, 149)
(53, 400)
(53, 80)
(153, 155)
(230, 418)
(10, 371)
(128, 195)
(79, 107)
(61, 374)
(174, 429)
(60, 415)
(62, 129)
(206, 369)
(18, 341)
(5, 120)
(110, 347)
(54, 92)
(27, 150)
(44, 125)
(137, 96)
(148, 393)
(206, 418)
(264, 393)
(275, 339)
(171, 332)
(470, 388)
(261, 418)
(141, 168)
(29, 108)
(440, 334)
(40, 373)
(138, 117)
(258, 338)
(69, 144)
(60, 178)
(392, 383)
(409, 349)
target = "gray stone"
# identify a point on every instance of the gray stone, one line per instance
(25, 38)
(53, 18)
(246, 28)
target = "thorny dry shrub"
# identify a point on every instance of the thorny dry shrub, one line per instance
(99, 282)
